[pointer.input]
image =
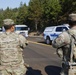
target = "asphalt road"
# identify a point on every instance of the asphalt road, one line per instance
(42, 58)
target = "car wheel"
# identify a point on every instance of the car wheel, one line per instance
(48, 40)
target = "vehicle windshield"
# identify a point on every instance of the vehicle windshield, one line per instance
(21, 28)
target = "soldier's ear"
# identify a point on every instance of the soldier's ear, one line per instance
(12, 28)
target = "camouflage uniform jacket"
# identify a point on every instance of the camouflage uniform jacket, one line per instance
(11, 47)
(63, 40)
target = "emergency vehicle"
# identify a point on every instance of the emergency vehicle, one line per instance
(50, 33)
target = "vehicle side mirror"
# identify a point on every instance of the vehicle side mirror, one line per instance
(28, 29)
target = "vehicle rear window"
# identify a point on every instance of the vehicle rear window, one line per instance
(60, 29)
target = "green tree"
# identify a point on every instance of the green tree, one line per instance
(1, 17)
(35, 12)
(68, 6)
(22, 14)
(10, 13)
(51, 10)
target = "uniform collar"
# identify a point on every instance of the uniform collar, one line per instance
(8, 33)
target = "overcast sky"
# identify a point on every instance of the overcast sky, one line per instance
(12, 3)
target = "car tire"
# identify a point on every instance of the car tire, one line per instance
(48, 40)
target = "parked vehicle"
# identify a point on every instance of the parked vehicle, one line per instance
(50, 33)
(22, 29)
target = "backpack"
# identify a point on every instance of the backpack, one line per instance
(72, 45)
(72, 63)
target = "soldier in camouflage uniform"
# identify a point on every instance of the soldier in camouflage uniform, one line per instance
(63, 41)
(11, 48)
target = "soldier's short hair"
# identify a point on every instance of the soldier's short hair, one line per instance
(7, 27)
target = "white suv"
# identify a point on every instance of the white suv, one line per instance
(50, 33)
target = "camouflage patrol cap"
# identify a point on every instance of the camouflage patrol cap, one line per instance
(8, 22)
(72, 17)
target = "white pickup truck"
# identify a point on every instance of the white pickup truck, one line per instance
(50, 33)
